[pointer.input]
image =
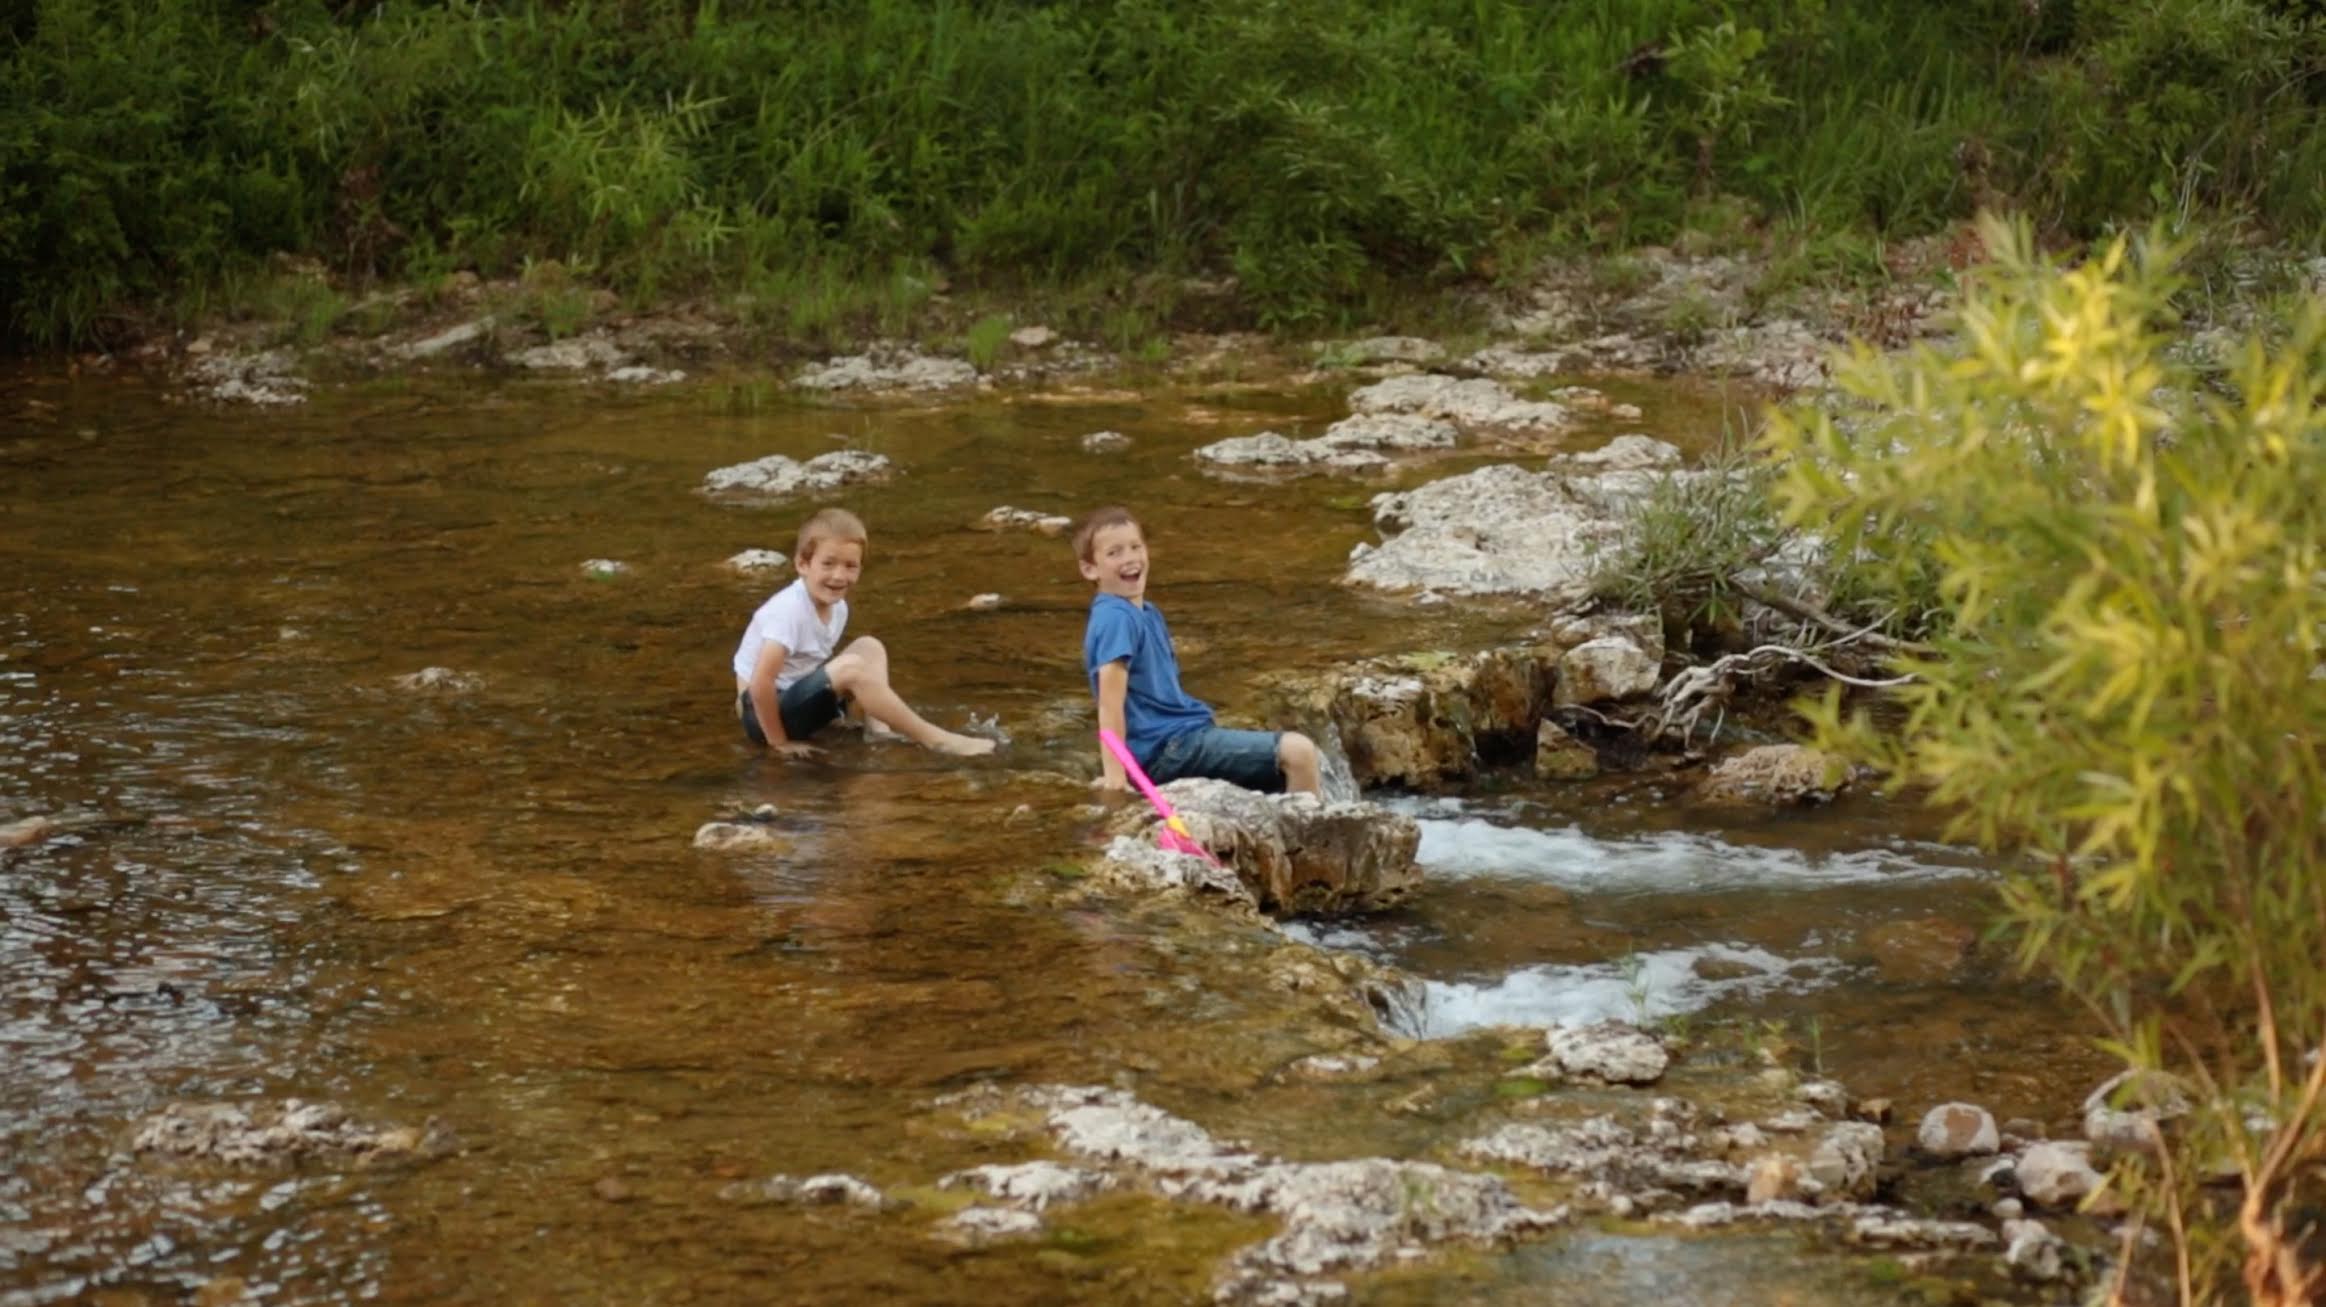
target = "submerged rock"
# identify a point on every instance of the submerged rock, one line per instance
(1006, 518)
(440, 680)
(759, 560)
(269, 1134)
(1105, 442)
(740, 837)
(1424, 720)
(1466, 402)
(604, 567)
(888, 367)
(775, 475)
(1776, 774)
(1296, 853)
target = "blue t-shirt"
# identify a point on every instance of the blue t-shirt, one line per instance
(1154, 707)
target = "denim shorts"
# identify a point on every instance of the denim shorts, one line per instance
(1246, 758)
(808, 706)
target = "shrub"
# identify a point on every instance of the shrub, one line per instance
(2125, 686)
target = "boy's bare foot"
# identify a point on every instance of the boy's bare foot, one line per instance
(961, 746)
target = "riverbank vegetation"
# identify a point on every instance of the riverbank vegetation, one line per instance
(820, 164)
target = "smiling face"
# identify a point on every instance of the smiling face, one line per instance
(1118, 561)
(832, 573)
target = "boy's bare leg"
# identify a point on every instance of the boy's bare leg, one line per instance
(861, 673)
(1296, 754)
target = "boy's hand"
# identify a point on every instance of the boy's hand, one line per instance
(793, 749)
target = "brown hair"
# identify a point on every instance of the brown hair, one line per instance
(827, 525)
(1099, 520)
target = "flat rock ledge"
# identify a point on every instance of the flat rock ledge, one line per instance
(1505, 529)
(1367, 442)
(888, 367)
(1287, 853)
(1472, 403)
(1335, 1217)
(777, 476)
(277, 1134)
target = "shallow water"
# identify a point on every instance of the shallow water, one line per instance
(483, 907)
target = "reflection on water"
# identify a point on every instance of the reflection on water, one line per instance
(483, 906)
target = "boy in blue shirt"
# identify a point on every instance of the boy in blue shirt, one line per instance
(1134, 676)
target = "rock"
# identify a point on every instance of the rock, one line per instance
(2056, 1174)
(1105, 442)
(638, 375)
(1561, 757)
(1296, 853)
(1794, 1121)
(267, 1134)
(1827, 1096)
(2008, 1209)
(445, 341)
(29, 831)
(1033, 1186)
(1500, 530)
(815, 1191)
(1033, 337)
(1138, 863)
(978, 1226)
(1953, 1130)
(1920, 951)
(1360, 443)
(2126, 1114)
(1605, 670)
(611, 1189)
(1846, 1160)
(1775, 774)
(1356, 1215)
(1006, 518)
(605, 567)
(984, 603)
(776, 476)
(1904, 1232)
(888, 367)
(1631, 452)
(1782, 353)
(759, 560)
(1474, 403)
(2033, 1251)
(740, 837)
(1520, 364)
(1612, 1051)
(269, 379)
(440, 680)
(1374, 350)
(1422, 720)
(1331, 1066)
(1775, 1178)
(1876, 1110)
(573, 354)
(1645, 630)
(1615, 1157)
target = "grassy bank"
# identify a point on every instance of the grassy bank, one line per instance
(1327, 153)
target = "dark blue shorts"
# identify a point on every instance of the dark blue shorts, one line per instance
(808, 706)
(1246, 758)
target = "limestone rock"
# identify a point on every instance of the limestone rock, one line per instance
(2126, 1114)
(605, 567)
(1496, 530)
(268, 379)
(1905, 1232)
(1473, 402)
(1613, 1051)
(1360, 443)
(759, 560)
(888, 367)
(1105, 442)
(1137, 863)
(1775, 774)
(1374, 350)
(776, 476)
(1605, 670)
(1775, 1178)
(1846, 1160)
(830, 1190)
(1953, 1130)
(1034, 1186)
(1645, 630)
(1560, 756)
(573, 354)
(443, 680)
(1423, 720)
(983, 603)
(1033, 337)
(2056, 1174)
(445, 341)
(1006, 518)
(639, 375)
(1519, 364)
(978, 1226)
(268, 1134)
(2033, 1251)
(1631, 452)
(740, 837)
(1295, 852)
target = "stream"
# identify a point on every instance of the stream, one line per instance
(292, 877)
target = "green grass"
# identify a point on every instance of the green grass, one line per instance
(824, 165)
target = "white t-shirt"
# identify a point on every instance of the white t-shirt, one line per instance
(789, 619)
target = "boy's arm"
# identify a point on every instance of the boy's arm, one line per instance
(1114, 683)
(764, 701)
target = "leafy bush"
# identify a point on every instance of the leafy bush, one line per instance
(2126, 687)
(1690, 541)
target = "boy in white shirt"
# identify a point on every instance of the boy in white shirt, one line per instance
(789, 684)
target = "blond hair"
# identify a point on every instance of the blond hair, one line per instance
(827, 526)
(1099, 520)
